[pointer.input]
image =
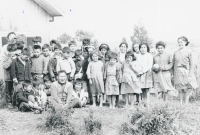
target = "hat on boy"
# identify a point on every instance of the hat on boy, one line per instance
(105, 46)
(37, 82)
(89, 46)
(37, 39)
(78, 80)
(112, 55)
(26, 83)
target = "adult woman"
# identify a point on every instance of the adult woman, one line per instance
(146, 62)
(104, 48)
(184, 79)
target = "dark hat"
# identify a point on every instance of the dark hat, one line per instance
(89, 46)
(105, 46)
(160, 43)
(78, 80)
(26, 83)
(113, 55)
(86, 41)
(37, 82)
(37, 39)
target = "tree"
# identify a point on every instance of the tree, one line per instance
(64, 38)
(81, 34)
(140, 35)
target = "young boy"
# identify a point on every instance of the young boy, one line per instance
(38, 64)
(73, 46)
(79, 96)
(53, 62)
(78, 63)
(46, 53)
(37, 40)
(66, 63)
(26, 97)
(20, 68)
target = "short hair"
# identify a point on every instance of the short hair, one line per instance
(26, 83)
(184, 39)
(10, 34)
(66, 50)
(20, 45)
(26, 52)
(57, 46)
(72, 43)
(78, 52)
(148, 49)
(160, 43)
(78, 80)
(133, 46)
(123, 43)
(62, 71)
(94, 52)
(53, 41)
(130, 53)
(36, 47)
(11, 47)
(37, 83)
(113, 55)
(105, 46)
(46, 46)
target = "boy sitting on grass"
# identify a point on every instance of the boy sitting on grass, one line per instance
(79, 95)
(26, 98)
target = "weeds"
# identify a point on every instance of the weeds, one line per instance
(93, 125)
(59, 121)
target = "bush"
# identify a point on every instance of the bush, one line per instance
(3, 102)
(156, 121)
(59, 121)
(93, 125)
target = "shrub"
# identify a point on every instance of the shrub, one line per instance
(59, 121)
(3, 102)
(93, 125)
(156, 121)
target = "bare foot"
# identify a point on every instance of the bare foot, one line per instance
(110, 107)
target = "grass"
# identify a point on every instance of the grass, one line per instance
(13, 122)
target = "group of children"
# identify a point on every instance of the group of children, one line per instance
(103, 73)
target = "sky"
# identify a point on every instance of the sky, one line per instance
(112, 20)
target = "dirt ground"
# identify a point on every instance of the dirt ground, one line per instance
(13, 122)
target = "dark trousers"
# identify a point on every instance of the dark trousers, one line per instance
(9, 91)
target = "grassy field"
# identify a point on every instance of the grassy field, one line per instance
(13, 122)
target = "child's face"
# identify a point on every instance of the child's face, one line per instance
(95, 57)
(123, 48)
(24, 57)
(143, 49)
(90, 50)
(66, 55)
(78, 58)
(113, 61)
(85, 55)
(129, 59)
(103, 51)
(28, 88)
(181, 43)
(36, 52)
(57, 52)
(46, 52)
(73, 48)
(160, 49)
(78, 86)
(136, 48)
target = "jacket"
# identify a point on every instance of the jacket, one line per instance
(19, 71)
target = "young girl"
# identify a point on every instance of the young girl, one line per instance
(184, 78)
(112, 75)
(95, 75)
(146, 78)
(162, 75)
(130, 82)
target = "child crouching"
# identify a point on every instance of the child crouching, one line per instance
(79, 95)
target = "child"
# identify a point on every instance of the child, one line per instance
(66, 63)
(26, 98)
(162, 75)
(73, 46)
(104, 48)
(37, 40)
(184, 78)
(20, 68)
(38, 64)
(40, 94)
(95, 75)
(46, 53)
(52, 44)
(112, 75)
(79, 95)
(53, 62)
(78, 64)
(130, 81)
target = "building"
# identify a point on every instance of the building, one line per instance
(29, 17)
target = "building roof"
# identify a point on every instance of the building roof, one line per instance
(50, 7)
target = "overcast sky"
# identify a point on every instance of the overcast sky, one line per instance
(111, 20)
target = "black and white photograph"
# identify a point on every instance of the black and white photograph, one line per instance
(99, 67)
